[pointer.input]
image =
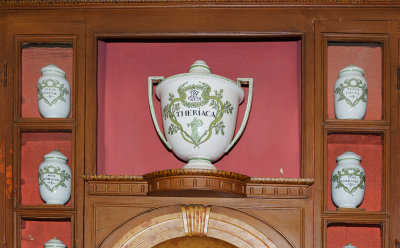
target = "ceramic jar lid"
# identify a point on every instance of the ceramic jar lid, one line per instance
(199, 69)
(351, 68)
(55, 155)
(348, 155)
(54, 243)
(52, 68)
(199, 66)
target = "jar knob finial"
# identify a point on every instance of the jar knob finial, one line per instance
(199, 66)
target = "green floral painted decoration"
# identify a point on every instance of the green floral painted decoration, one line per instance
(349, 172)
(54, 91)
(352, 100)
(55, 177)
(193, 97)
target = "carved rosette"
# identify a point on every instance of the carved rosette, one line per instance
(195, 219)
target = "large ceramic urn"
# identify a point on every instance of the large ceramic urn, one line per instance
(199, 112)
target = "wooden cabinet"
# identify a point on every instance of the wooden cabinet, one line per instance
(287, 153)
(31, 46)
(369, 45)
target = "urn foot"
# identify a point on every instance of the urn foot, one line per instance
(199, 163)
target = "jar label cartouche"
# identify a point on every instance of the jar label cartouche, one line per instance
(350, 179)
(196, 113)
(53, 177)
(51, 91)
(352, 91)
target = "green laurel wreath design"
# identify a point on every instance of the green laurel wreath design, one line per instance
(215, 102)
(57, 171)
(346, 172)
(347, 84)
(54, 84)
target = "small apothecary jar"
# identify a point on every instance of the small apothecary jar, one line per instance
(351, 93)
(348, 181)
(54, 93)
(55, 178)
(54, 243)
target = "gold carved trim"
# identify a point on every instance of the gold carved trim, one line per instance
(195, 219)
(118, 178)
(290, 181)
(196, 172)
(17, 3)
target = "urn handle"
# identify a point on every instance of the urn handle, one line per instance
(249, 82)
(151, 82)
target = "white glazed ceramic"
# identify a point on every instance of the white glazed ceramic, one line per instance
(54, 243)
(349, 245)
(348, 181)
(351, 94)
(55, 178)
(54, 93)
(199, 112)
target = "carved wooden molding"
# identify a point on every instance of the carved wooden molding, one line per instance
(277, 191)
(117, 188)
(204, 183)
(119, 178)
(22, 3)
(274, 180)
(195, 219)
(196, 172)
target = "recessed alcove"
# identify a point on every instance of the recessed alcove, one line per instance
(360, 235)
(37, 231)
(370, 148)
(127, 143)
(365, 55)
(34, 145)
(35, 56)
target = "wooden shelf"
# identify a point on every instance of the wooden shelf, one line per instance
(355, 125)
(200, 183)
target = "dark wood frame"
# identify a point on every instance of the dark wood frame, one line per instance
(89, 20)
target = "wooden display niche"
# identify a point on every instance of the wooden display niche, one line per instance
(199, 183)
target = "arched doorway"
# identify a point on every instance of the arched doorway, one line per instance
(168, 223)
(194, 242)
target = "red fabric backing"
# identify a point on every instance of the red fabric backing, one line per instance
(34, 145)
(360, 236)
(369, 58)
(369, 147)
(34, 59)
(35, 233)
(127, 140)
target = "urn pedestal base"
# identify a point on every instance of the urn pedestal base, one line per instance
(199, 163)
(196, 182)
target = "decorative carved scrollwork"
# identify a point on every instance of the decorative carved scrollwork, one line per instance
(195, 219)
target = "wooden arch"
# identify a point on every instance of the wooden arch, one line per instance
(162, 224)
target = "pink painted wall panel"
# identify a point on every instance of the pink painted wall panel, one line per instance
(127, 140)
